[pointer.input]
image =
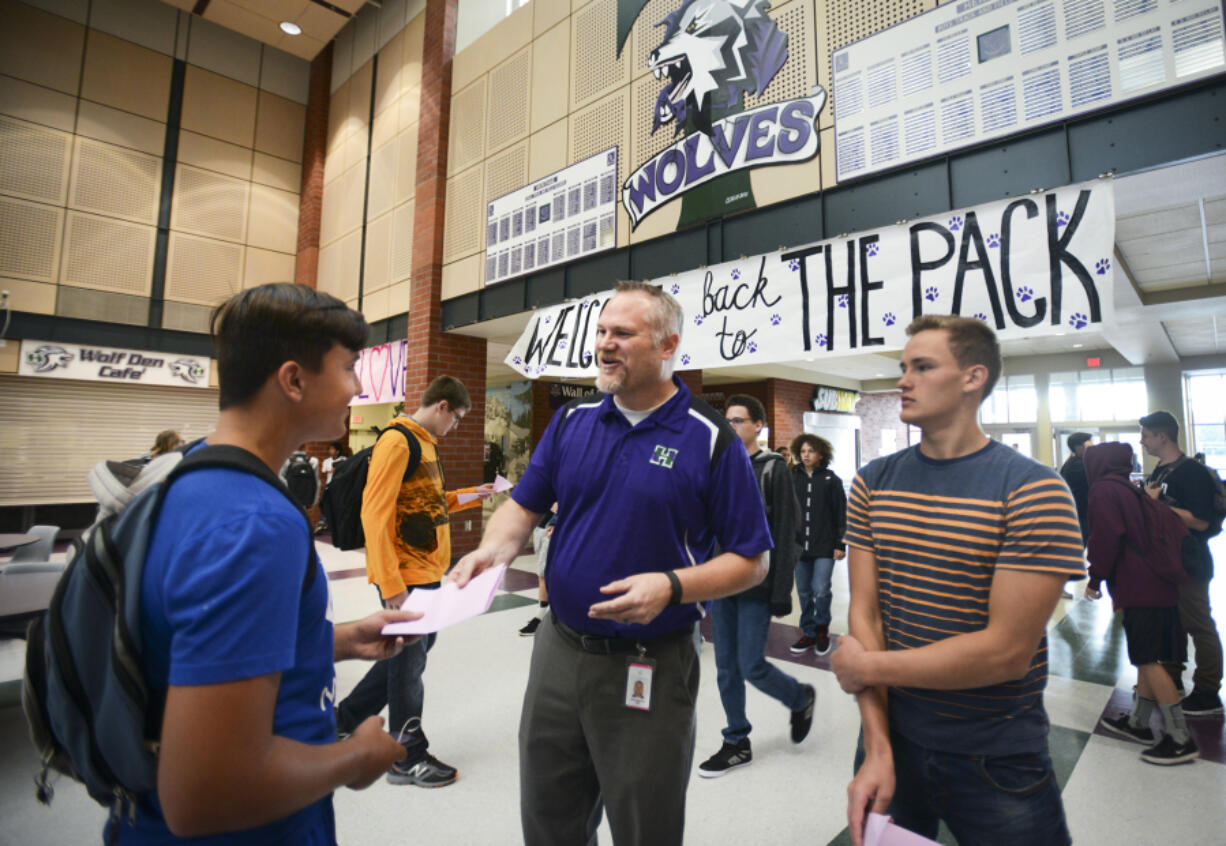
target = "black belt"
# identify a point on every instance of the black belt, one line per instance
(602, 645)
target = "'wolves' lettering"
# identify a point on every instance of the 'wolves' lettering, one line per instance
(713, 50)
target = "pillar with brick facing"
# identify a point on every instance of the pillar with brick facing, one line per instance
(314, 150)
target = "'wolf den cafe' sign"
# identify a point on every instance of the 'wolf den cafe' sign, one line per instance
(1031, 266)
(108, 364)
(711, 54)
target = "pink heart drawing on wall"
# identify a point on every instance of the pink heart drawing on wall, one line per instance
(379, 359)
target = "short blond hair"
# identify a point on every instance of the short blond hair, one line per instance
(970, 340)
(666, 315)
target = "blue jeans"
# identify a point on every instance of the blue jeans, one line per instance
(995, 800)
(813, 588)
(739, 628)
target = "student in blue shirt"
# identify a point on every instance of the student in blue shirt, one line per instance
(239, 653)
(647, 480)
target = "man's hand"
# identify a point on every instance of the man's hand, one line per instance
(365, 639)
(643, 597)
(850, 664)
(870, 790)
(1091, 593)
(473, 564)
(485, 491)
(379, 751)
(393, 603)
(1154, 489)
(839, 554)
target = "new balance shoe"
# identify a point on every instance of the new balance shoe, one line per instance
(1169, 752)
(802, 718)
(1120, 727)
(1200, 703)
(530, 629)
(425, 772)
(821, 643)
(728, 758)
(803, 645)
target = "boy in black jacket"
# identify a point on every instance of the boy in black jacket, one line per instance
(823, 519)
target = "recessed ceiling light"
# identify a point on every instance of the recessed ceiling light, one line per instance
(290, 28)
(880, 376)
(1078, 346)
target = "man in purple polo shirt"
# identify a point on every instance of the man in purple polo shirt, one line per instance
(647, 481)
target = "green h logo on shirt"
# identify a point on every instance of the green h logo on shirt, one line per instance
(664, 456)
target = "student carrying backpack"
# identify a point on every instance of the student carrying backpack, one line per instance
(342, 500)
(301, 479)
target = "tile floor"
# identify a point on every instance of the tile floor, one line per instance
(791, 794)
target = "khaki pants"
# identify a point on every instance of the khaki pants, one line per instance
(1197, 619)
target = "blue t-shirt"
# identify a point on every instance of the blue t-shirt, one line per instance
(940, 530)
(222, 601)
(654, 497)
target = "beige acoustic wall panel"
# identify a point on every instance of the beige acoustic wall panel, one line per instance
(503, 40)
(467, 137)
(798, 76)
(463, 232)
(376, 270)
(277, 173)
(338, 126)
(37, 104)
(123, 129)
(267, 266)
(124, 76)
(350, 262)
(461, 277)
(203, 271)
(509, 108)
(598, 127)
(383, 167)
(547, 14)
(115, 181)
(219, 107)
(279, 127)
(385, 126)
(595, 68)
(409, 108)
(506, 172)
(330, 212)
(30, 239)
(406, 164)
(34, 161)
(102, 306)
(207, 203)
(359, 115)
(33, 297)
(547, 151)
(273, 220)
(328, 277)
(389, 83)
(211, 154)
(399, 299)
(374, 305)
(402, 243)
(646, 36)
(39, 47)
(550, 76)
(352, 195)
(108, 254)
(414, 43)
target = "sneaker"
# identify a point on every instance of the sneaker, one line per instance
(530, 629)
(1198, 703)
(821, 643)
(729, 757)
(803, 645)
(1120, 727)
(425, 772)
(802, 719)
(1169, 752)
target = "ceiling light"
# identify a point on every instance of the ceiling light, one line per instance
(290, 28)
(1078, 346)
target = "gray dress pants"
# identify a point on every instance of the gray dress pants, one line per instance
(581, 750)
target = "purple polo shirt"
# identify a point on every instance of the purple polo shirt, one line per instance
(655, 497)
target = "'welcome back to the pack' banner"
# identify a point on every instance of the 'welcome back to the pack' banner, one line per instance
(1035, 265)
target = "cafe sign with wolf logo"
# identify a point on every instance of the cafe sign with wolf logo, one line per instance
(711, 54)
(56, 360)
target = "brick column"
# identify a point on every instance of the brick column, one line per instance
(314, 150)
(436, 353)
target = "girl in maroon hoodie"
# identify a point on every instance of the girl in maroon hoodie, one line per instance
(1151, 620)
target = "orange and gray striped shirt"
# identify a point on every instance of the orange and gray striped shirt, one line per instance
(939, 531)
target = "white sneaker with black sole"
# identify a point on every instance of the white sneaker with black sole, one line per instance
(728, 758)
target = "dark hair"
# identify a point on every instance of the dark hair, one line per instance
(447, 388)
(819, 445)
(971, 341)
(261, 328)
(757, 412)
(1162, 423)
(1077, 439)
(166, 441)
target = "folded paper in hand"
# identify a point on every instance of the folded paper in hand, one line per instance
(449, 604)
(501, 483)
(880, 830)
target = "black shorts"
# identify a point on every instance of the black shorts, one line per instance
(1153, 635)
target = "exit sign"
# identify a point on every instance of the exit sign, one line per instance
(1094, 362)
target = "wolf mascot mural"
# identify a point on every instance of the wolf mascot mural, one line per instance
(713, 52)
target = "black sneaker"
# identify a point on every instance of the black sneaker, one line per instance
(803, 645)
(1120, 727)
(821, 643)
(1169, 752)
(802, 719)
(425, 772)
(729, 757)
(1199, 703)
(530, 629)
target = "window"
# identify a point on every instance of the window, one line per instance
(1114, 394)
(1014, 400)
(1206, 393)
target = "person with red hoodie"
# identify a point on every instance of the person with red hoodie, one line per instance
(1118, 536)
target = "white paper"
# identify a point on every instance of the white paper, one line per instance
(880, 830)
(501, 484)
(449, 604)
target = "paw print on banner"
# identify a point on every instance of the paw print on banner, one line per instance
(979, 315)
(675, 289)
(1062, 218)
(1078, 320)
(931, 293)
(518, 361)
(820, 340)
(842, 301)
(1025, 294)
(698, 320)
(752, 347)
(794, 265)
(548, 320)
(736, 274)
(562, 344)
(873, 249)
(1102, 266)
(955, 223)
(993, 240)
(776, 320)
(888, 318)
(685, 359)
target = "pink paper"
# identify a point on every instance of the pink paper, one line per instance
(500, 484)
(881, 831)
(449, 604)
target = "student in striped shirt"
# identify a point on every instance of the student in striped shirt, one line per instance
(958, 551)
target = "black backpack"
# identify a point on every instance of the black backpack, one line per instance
(301, 480)
(89, 708)
(342, 500)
